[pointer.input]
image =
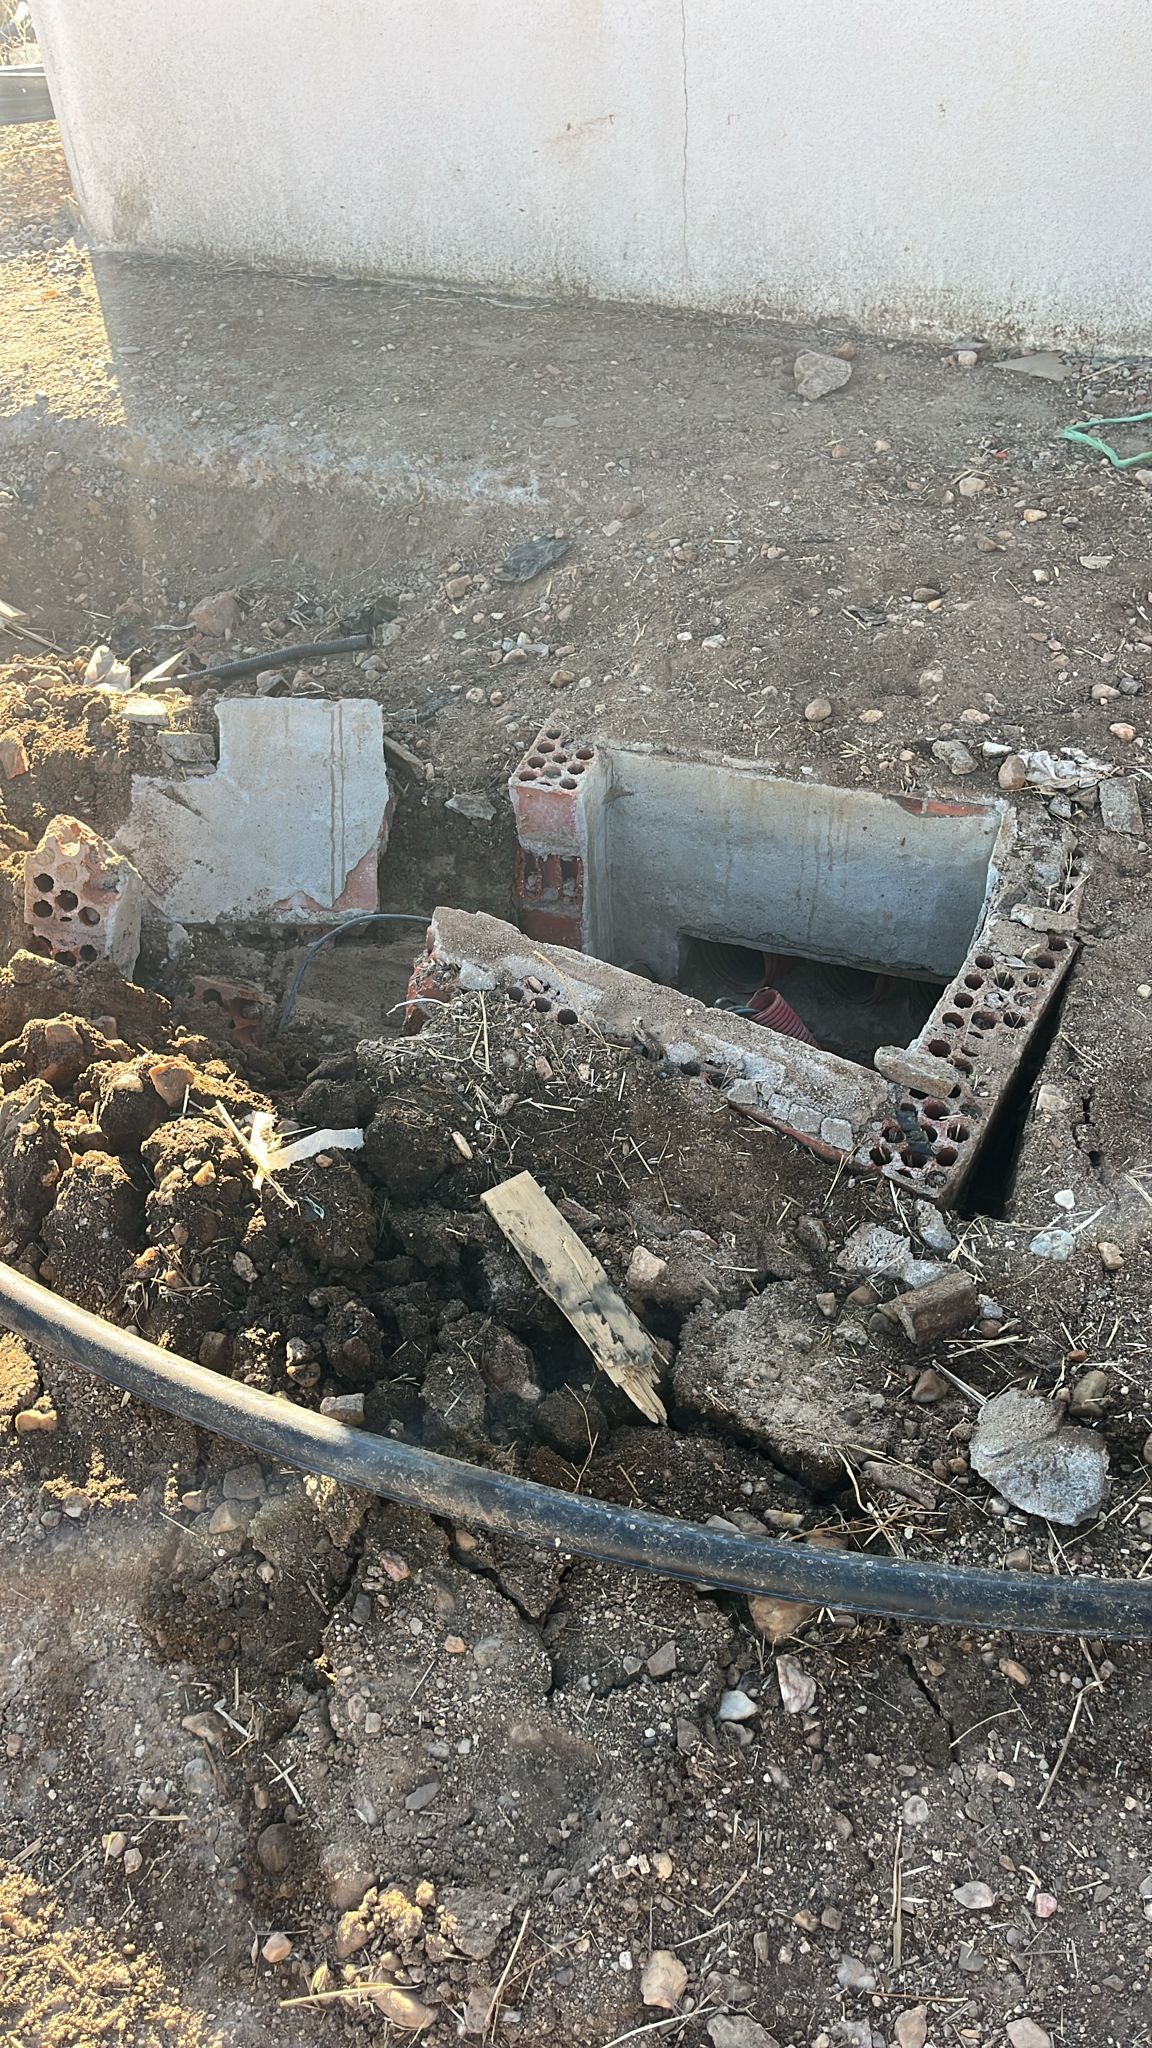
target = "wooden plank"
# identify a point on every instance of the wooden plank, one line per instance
(561, 1263)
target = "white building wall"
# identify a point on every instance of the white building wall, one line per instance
(899, 164)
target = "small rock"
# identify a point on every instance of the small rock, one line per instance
(217, 616)
(1014, 1672)
(663, 1980)
(228, 1519)
(457, 586)
(1026, 2034)
(403, 2008)
(736, 1706)
(662, 1663)
(1022, 1447)
(966, 358)
(1057, 1245)
(345, 1408)
(929, 1386)
(816, 374)
(974, 1897)
(645, 1270)
(817, 710)
(172, 1079)
(39, 1420)
(737, 2030)
(13, 758)
(115, 1845)
(797, 1686)
(971, 486)
(422, 1796)
(778, 1619)
(274, 1847)
(1013, 773)
(1044, 1905)
(208, 1727)
(1111, 1256)
(133, 1861)
(914, 1811)
(853, 1975)
(931, 1225)
(827, 1305)
(955, 756)
(912, 2027)
(1124, 733)
(1089, 1396)
(277, 1948)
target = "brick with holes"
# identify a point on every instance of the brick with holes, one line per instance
(82, 901)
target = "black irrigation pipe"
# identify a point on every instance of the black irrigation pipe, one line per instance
(473, 1496)
(253, 664)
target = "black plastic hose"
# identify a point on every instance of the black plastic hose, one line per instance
(473, 1496)
(352, 923)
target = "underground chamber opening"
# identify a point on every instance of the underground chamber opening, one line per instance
(854, 908)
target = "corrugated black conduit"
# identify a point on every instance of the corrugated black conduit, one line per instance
(472, 1496)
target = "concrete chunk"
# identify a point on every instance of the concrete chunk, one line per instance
(288, 828)
(764, 1371)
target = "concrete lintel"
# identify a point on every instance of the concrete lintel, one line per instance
(760, 1066)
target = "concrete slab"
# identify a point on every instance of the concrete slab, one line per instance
(289, 828)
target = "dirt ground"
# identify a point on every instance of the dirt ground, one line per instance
(284, 1763)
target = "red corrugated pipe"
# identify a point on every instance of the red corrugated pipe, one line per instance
(770, 1008)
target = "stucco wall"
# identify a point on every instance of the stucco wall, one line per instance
(897, 163)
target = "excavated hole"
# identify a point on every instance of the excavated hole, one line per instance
(857, 908)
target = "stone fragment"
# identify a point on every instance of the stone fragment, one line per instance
(912, 2027)
(817, 710)
(955, 756)
(854, 1975)
(403, 2008)
(736, 1706)
(909, 1067)
(277, 1948)
(1120, 806)
(764, 1371)
(974, 1897)
(777, 1619)
(13, 757)
(738, 2030)
(663, 1980)
(216, 616)
(797, 1686)
(1022, 1446)
(816, 374)
(274, 1847)
(1027, 2034)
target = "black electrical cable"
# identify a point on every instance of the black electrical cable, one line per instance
(473, 1495)
(348, 924)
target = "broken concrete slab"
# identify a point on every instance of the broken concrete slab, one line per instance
(82, 900)
(766, 1371)
(1022, 1446)
(288, 828)
(812, 1095)
(1120, 806)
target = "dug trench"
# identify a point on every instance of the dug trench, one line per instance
(339, 1752)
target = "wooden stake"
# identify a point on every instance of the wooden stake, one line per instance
(561, 1263)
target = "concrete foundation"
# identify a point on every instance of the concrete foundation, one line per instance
(899, 165)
